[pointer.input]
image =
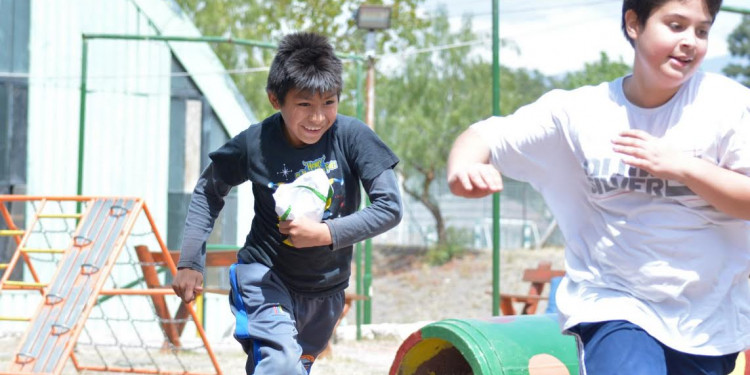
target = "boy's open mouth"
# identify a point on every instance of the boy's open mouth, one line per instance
(682, 59)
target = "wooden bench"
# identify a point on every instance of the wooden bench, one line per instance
(538, 277)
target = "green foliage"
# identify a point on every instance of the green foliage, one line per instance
(519, 87)
(425, 104)
(455, 245)
(269, 21)
(432, 97)
(739, 46)
(603, 70)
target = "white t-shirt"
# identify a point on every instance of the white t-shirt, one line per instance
(639, 248)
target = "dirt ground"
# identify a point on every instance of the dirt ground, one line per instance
(407, 294)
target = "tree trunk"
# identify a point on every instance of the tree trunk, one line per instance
(423, 196)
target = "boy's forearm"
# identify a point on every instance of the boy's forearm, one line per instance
(726, 190)
(384, 213)
(206, 202)
(469, 148)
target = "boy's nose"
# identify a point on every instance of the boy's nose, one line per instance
(688, 38)
(317, 117)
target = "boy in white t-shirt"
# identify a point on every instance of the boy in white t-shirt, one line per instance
(649, 179)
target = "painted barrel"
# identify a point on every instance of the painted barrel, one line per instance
(506, 345)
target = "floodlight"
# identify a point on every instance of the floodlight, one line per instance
(373, 17)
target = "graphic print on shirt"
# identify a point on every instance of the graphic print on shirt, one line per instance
(290, 175)
(607, 175)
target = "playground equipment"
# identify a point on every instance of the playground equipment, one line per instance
(99, 291)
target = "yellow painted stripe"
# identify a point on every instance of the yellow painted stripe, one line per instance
(15, 318)
(43, 251)
(420, 353)
(59, 216)
(25, 284)
(199, 310)
(3, 266)
(11, 232)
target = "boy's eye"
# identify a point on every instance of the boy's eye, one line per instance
(675, 26)
(703, 33)
(330, 102)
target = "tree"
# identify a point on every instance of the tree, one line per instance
(426, 103)
(594, 73)
(269, 21)
(739, 46)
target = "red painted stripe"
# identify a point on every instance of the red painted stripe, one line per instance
(409, 343)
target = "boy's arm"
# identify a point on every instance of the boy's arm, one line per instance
(470, 174)
(383, 213)
(726, 190)
(205, 204)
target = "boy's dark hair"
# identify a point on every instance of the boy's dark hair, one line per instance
(644, 8)
(306, 62)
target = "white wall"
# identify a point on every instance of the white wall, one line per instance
(127, 107)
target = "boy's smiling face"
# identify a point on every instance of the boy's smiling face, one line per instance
(307, 116)
(672, 44)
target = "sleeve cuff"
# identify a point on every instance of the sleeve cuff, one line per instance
(334, 236)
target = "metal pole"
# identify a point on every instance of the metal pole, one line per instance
(370, 117)
(202, 39)
(370, 121)
(360, 89)
(358, 249)
(496, 196)
(370, 55)
(731, 9)
(358, 286)
(82, 119)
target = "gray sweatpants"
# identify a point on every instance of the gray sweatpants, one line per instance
(281, 332)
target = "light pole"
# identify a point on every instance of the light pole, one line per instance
(370, 18)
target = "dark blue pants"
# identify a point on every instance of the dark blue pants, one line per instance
(281, 332)
(620, 347)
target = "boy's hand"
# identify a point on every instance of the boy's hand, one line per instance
(187, 284)
(304, 232)
(654, 155)
(475, 180)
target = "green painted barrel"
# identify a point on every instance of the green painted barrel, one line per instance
(507, 345)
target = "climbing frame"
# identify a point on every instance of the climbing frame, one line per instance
(105, 306)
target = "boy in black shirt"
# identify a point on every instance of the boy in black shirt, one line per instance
(287, 299)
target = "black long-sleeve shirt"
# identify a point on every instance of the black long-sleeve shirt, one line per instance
(349, 152)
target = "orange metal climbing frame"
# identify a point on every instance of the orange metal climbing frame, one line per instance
(78, 283)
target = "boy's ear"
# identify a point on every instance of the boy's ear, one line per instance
(632, 26)
(274, 100)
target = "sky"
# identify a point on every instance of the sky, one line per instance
(557, 36)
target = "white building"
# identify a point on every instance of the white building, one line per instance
(153, 110)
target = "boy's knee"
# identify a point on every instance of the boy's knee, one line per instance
(281, 360)
(273, 354)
